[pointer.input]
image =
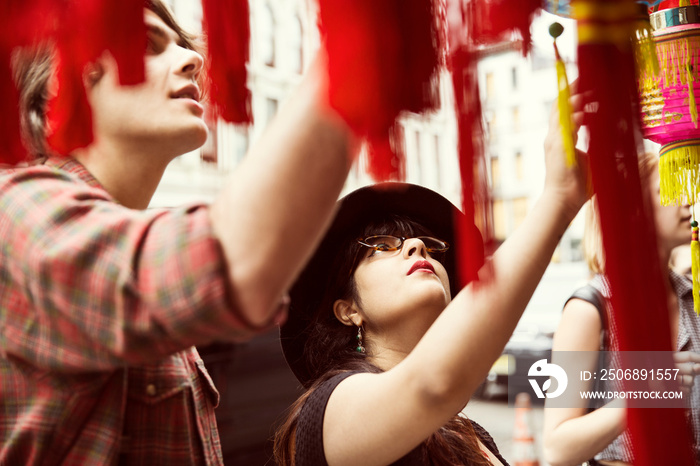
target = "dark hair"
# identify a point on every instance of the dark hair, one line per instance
(33, 67)
(330, 350)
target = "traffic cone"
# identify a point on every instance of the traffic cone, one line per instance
(524, 450)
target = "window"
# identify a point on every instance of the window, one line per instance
(272, 105)
(490, 86)
(490, 117)
(519, 166)
(516, 119)
(514, 77)
(267, 36)
(438, 179)
(242, 139)
(519, 210)
(296, 46)
(499, 219)
(419, 170)
(495, 173)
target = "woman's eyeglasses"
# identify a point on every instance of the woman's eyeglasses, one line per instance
(393, 243)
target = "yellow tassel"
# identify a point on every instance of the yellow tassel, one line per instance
(565, 111)
(684, 3)
(565, 114)
(679, 172)
(673, 54)
(688, 58)
(695, 260)
(645, 54)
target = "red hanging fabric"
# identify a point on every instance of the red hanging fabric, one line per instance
(473, 22)
(227, 28)
(123, 34)
(382, 59)
(475, 197)
(493, 20)
(68, 114)
(607, 74)
(21, 23)
(11, 149)
(88, 29)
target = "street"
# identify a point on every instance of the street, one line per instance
(499, 420)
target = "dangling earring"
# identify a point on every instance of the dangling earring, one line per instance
(360, 348)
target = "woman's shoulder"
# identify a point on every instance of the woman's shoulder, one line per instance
(318, 398)
(309, 430)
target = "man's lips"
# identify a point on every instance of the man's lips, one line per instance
(191, 91)
(421, 265)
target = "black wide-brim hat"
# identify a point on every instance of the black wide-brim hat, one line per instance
(358, 208)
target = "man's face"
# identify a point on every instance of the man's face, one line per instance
(162, 114)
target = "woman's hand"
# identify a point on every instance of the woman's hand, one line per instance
(566, 184)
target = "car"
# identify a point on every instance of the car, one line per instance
(533, 336)
(509, 374)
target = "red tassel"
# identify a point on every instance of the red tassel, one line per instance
(68, 114)
(385, 157)
(124, 36)
(11, 149)
(607, 74)
(111, 25)
(21, 23)
(382, 59)
(470, 134)
(493, 20)
(227, 26)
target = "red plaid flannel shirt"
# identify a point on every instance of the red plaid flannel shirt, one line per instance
(100, 307)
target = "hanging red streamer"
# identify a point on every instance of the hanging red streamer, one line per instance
(607, 75)
(494, 20)
(227, 27)
(114, 26)
(462, 64)
(21, 24)
(382, 60)
(472, 23)
(11, 149)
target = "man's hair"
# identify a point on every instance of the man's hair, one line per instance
(33, 68)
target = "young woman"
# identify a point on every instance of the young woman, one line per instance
(388, 346)
(573, 435)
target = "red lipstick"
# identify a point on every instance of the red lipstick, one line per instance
(421, 265)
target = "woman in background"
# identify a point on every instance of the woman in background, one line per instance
(573, 435)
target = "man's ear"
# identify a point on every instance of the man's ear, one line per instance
(92, 74)
(347, 313)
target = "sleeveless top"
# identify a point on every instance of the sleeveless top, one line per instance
(597, 293)
(309, 432)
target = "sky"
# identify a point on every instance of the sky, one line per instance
(542, 40)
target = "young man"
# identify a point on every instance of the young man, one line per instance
(102, 301)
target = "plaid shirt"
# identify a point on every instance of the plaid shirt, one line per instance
(688, 340)
(100, 307)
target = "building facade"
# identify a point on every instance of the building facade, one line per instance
(516, 92)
